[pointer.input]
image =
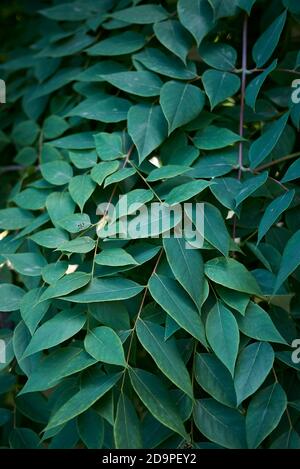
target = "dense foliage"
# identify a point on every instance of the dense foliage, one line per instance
(141, 342)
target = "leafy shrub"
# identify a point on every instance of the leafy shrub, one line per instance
(142, 342)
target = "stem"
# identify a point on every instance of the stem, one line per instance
(8, 169)
(279, 160)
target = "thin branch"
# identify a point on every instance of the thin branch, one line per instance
(278, 161)
(11, 168)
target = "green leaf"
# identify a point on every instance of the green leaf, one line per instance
(27, 263)
(120, 44)
(250, 186)
(223, 335)
(214, 164)
(165, 64)
(80, 245)
(51, 333)
(56, 365)
(32, 310)
(91, 390)
(66, 285)
(57, 172)
(54, 126)
(293, 172)
(114, 257)
(164, 353)
(140, 83)
(273, 212)
(156, 397)
(246, 5)
(219, 86)
(110, 109)
(103, 344)
(80, 141)
(83, 159)
(147, 127)
(186, 191)
(31, 199)
(267, 42)
(127, 431)
(256, 323)
(91, 429)
(109, 146)
(54, 271)
(25, 133)
(24, 438)
(180, 103)
(102, 170)
(74, 223)
(212, 138)
(187, 266)
(236, 300)
(218, 55)
(223, 8)
(264, 413)
(215, 379)
(196, 16)
(59, 205)
(50, 238)
(119, 176)
(290, 260)
(142, 14)
(130, 202)
(81, 188)
(10, 297)
(15, 218)
(174, 37)
(288, 440)
(255, 85)
(231, 274)
(167, 172)
(111, 289)
(220, 424)
(253, 366)
(263, 146)
(170, 296)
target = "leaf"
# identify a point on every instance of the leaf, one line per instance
(246, 5)
(293, 172)
(103, 344)
(56, 365)
(220, 424)
(25, 133)
(236, 300)
(256, 323)
(180, 103)
(174, 37)
(165, 354)
(156, 397)
(59, 205)
(250, 186)
(50, 333)
(27, 263)
(215, 379)
(129, 203)
(164, 64)
(111, 289)
(14, 218)
(74, 224)
(218, 55)
(10, 297)
(127, 431)
(169, 295)
(24, 438)
(255, 85)
(111, 109)
(91, 429)
(66, 285)
(231, 274)
(114, 257)
(147, 128)
(263, 146)
(223, 8)
(102, 170)
(50, 238)
(31, 199)
(185, 191)
(253, 366)
(223, 335)
(290, 260)
(267, 42)
(288, 440)
(264, 413)
(273, 212)
(140, 83)
(57, 172)
(120, 44)
(142, 14)
(81, 188)
(187, 266)
(92, 390)
(83, 159)
(54, 126)
(212, 138)
(214, 164)
(80, 245)
(32, 310)
(120, 175)
(167, 172)
(196, 16)
(219, 86)
(80, 141)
